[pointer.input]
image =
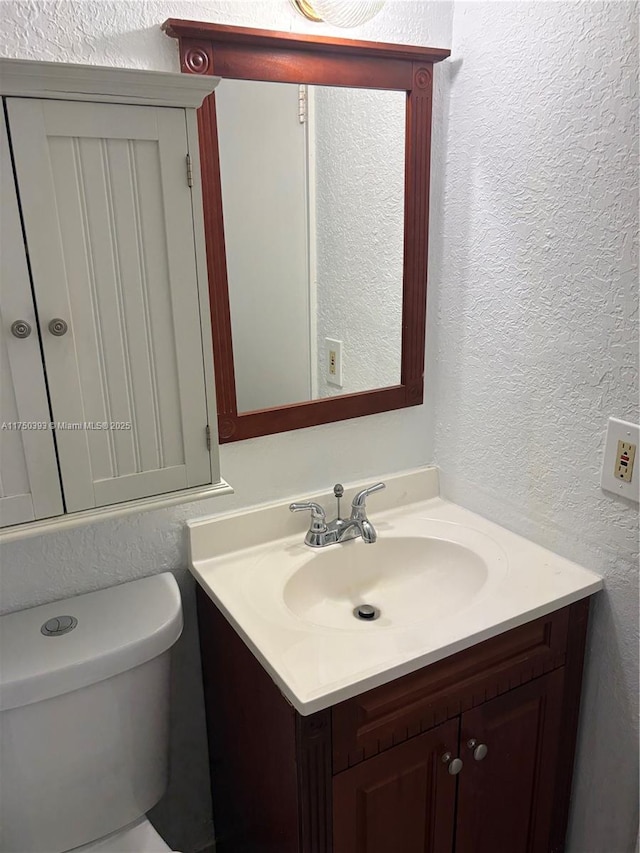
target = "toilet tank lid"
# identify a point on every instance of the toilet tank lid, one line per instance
(117, 628)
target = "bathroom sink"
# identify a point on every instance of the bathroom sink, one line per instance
(406, 578)
(442, 578)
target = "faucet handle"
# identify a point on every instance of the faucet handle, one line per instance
(318, 515)
(360, 498)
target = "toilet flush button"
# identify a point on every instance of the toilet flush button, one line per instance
(58, 625)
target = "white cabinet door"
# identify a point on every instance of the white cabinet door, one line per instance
(109, 229)
(29, 482)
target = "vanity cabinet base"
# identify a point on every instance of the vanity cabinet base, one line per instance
(374, 774)
(402, 800)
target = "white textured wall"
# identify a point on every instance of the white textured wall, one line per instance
(263, 158)
(37, 570)
(534, 330)
(359, 144)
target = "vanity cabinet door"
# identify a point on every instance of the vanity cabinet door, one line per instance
(110, 233)
(29, 482)
(402, 800)
(506, 796)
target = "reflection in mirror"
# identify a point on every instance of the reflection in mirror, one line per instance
(313, 200)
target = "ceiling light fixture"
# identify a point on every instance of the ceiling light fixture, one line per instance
(340, 13)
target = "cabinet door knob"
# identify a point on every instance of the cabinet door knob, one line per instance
(455, 764)
(58, 327)
(480, 750)
(20, 329)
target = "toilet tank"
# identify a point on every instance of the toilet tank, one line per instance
(84, 714)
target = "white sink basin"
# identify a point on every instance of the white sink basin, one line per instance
(408, 578)
(442, 577)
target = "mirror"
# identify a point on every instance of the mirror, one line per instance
(315, 162)
(312, 197)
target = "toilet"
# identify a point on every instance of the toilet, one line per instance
(84, 719)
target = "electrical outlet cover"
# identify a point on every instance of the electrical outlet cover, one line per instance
(333, 355)
(627, 433)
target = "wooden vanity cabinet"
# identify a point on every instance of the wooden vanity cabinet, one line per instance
(511, 797)
(373, 773)
(403, 799)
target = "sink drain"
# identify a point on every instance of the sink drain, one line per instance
(366, 612)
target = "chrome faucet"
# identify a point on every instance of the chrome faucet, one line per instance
(321, 533)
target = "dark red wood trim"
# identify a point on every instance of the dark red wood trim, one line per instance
(216, 259)
(416, 233)
(290, 66)
(311, 413)
(578, 622)
(251, 730)
(315, 781)
(197, 58)
(242, 53)
(254, 38)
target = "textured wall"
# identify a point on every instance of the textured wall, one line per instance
(37, 570)
(534, 330)
(360, 234)
(263, 157)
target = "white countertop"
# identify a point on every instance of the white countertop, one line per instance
(316, 666)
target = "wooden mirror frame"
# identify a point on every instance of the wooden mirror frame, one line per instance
(248, 54)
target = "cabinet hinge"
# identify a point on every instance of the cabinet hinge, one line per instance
(302, 103)
(189, 171)
(208, 434)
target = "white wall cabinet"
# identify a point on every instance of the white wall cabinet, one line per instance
(29, 484)
(114, 291)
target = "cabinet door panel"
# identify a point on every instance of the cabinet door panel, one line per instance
(110, 232)
(505, 801)
(401, 800)
(29, 482)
